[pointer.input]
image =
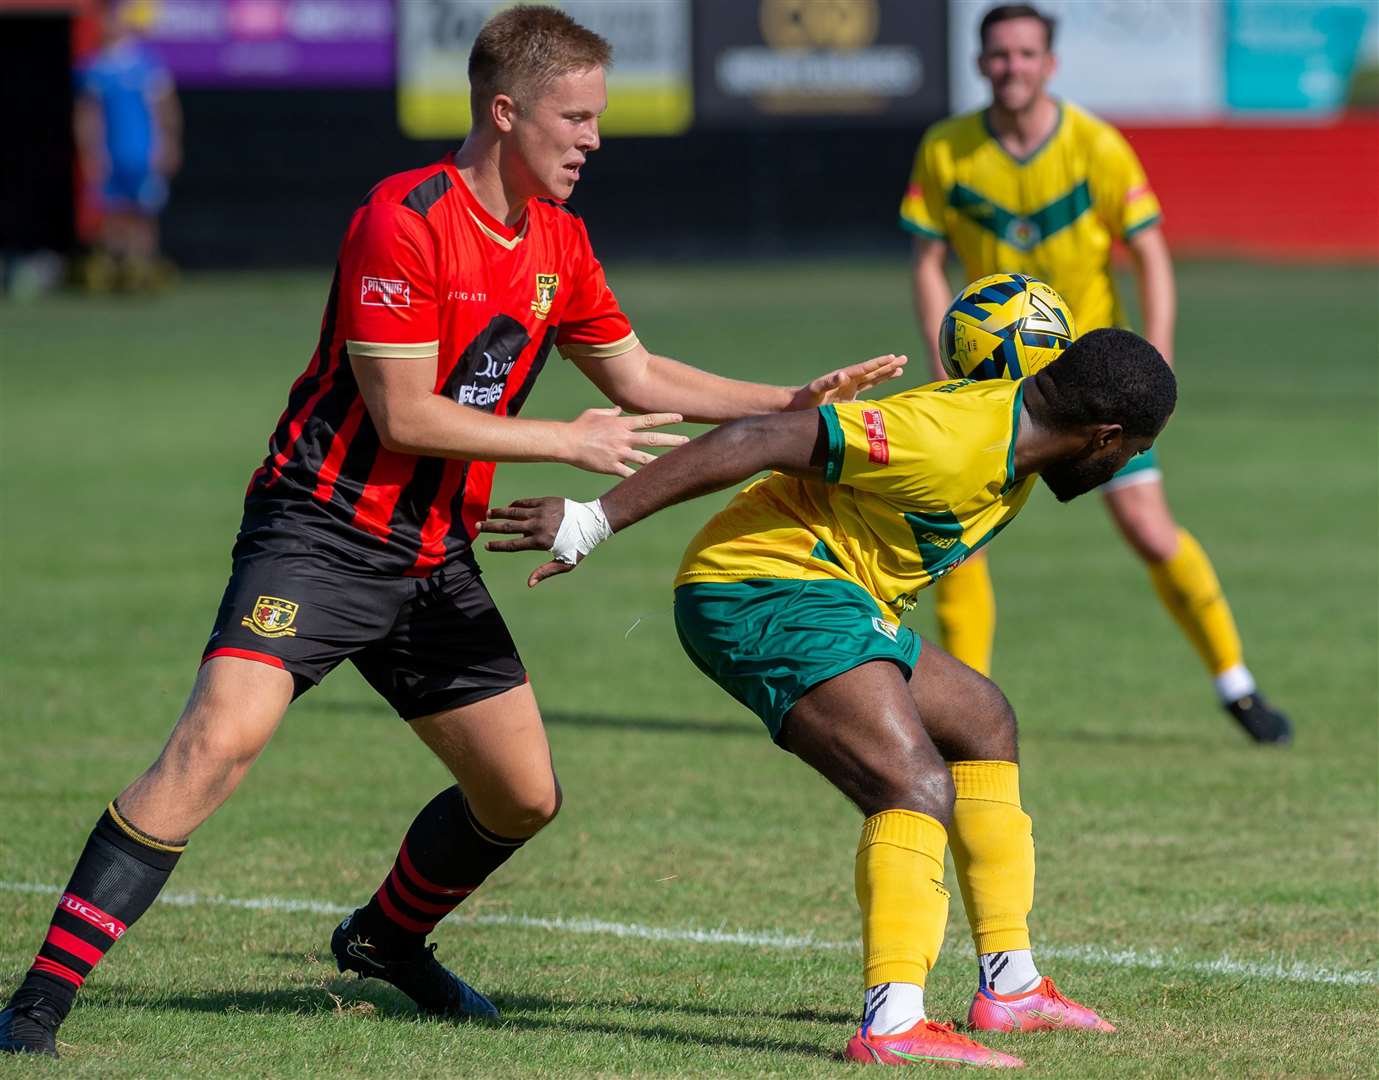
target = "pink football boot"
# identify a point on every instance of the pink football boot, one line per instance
(1040, 1009)
(927, 1043)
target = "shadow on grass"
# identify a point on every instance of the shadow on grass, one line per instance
(542, 1003)
(347, 999)
(352, 990)
(556, 719)
(654, 1032)
(335, 995)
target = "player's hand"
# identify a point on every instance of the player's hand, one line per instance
(605, 441)
(534, 522)
(846, 383)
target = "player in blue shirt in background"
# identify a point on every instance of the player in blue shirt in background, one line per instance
(129, 143)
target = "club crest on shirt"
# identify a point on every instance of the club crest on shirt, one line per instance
(546, 285)
(1023, 234)
(271, 617)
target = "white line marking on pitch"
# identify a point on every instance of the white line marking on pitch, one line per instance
(1152, 959)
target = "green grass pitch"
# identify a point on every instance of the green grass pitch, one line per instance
(1217, 901)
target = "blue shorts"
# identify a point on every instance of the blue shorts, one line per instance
(135, 188)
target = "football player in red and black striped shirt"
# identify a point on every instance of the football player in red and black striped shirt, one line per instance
(454, 283)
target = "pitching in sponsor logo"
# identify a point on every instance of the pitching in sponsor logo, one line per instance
(878, 446)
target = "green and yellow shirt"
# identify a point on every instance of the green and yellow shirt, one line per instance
(1053, 215)
(913, 484)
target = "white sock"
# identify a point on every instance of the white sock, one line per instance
(1234, 683)
(891, 1007)
(1010, 972)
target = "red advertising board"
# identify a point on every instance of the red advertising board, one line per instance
(1276, 190)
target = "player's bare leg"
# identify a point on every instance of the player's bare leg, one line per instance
(964, 712)
(234, 708)
(1141, 513)
(863, 732)
(506, 792)
(1187, 584)
(119, 240)
(141, 248)
(973, 726)
(498, 753)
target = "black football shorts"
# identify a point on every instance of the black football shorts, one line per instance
(425, 643)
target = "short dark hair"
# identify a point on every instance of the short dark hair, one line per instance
(1109, 377)
(1005, 12)
(520, 50)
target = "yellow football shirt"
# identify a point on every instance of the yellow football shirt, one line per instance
(913, 484)
(1053, 215)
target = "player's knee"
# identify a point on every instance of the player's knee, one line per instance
(916, 780)
(1161, 545)
(215, 749)
(1148, 527)
(209, 741)
(931, 792)
(1153, 539)
(998, 736)
(526, 812)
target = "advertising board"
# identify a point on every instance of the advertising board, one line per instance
(1118, 58)
(649, 89)
(274, 43)
(760, 62)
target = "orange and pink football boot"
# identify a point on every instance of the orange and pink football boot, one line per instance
(1040, 1009)
(927, 1043)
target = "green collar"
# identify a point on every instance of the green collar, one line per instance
(1058, 125)
(1014, 435)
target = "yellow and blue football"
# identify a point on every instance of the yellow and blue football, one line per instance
(1004, 326)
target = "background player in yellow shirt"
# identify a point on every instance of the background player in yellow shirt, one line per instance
(790, 597)
(1038, 186)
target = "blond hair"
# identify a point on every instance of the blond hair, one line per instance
(522, 50)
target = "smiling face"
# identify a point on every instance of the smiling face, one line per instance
(1016, 61)
(554, 133)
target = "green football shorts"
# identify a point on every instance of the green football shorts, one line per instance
(1138, 470)
(768, 641)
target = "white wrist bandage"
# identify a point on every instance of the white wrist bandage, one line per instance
(584, 528)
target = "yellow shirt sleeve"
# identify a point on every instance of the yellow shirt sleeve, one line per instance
(1120, 189)
(921, 210)
(917, 449)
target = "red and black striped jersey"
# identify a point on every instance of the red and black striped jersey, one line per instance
(425, 270)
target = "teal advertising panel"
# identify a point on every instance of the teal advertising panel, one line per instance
(1292, 55)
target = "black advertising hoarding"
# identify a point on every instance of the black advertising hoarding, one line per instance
(771, 62)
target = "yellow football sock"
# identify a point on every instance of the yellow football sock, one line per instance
(900, 890)
(1188, 587)
(965, 605)
(993, 851)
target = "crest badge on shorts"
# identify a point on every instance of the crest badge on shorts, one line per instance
(546, 285)
(272, 617)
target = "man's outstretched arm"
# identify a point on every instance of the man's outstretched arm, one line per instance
(399, 393)
(791, 442)
(644, 382)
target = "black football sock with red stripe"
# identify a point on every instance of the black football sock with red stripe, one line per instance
(120, 873)
(444, 857)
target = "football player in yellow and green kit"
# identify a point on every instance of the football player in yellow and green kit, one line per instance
(790, 599)
(1038, 186)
